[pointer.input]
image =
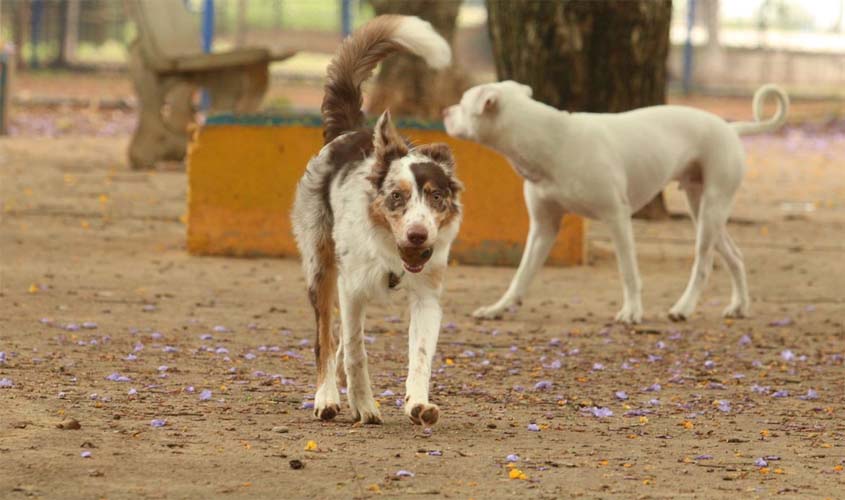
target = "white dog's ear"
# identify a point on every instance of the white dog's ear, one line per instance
(486, 102)
(527, 90)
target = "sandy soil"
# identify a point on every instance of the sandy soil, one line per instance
(96, 288)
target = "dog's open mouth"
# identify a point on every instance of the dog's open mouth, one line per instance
(414, 259)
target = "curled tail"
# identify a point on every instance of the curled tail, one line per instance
(354, 61)
(759, 126)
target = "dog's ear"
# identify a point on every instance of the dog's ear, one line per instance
(486, 102)
(388, 146)
(528, 91)
(439, 153)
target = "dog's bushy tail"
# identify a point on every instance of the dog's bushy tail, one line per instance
(759, 126)
(360, 53)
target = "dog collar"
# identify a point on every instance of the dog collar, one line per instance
(393, 279)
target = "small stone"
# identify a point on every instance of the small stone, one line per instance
(69, 424)
(296, 464)
(281, 429)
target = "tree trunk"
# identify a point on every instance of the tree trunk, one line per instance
(585, 55)
(405, 84)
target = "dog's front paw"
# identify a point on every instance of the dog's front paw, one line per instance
(422, 413)
(489, 312)
(630, 315)
(326, 403)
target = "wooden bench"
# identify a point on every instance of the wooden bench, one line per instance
(167, 65)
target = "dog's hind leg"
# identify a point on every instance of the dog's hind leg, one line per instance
(322, 292)
(360, 393)
(626, 258)
(712, 217)
(545, 219)
(740, 302)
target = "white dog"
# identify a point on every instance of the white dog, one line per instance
(608, 166)
(368, 209)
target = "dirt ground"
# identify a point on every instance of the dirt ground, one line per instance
(106, 320)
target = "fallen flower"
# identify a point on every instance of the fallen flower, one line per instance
(512, 458)
(404, 473)
(517, 474)
(311, 446)
(85, 454)
(761, 462)
(811, 394)
(533, 427)
(652, 388)
(543, 385)
(6, 382)
(781, 394)
(621, 395)
(158, 422)
(205, 395)
(782, 322)
(598, 412)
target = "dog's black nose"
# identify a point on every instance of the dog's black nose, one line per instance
(417, 235)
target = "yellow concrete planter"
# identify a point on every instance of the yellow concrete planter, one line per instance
(242, 173)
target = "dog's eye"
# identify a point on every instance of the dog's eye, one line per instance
(396, 196)
(436, 195)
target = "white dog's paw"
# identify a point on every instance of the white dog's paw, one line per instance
(736, 310)
(422, 413)
(366, 412)
(680, 312)
(494, 311)
(326, 403)
(630, 315)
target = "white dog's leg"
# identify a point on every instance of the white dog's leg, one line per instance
(544, 225)
(711, 221)
(740, 302)
(422, 343)
(360, 393)
(622, 233)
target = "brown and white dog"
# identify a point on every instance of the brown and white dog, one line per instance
(372, 213)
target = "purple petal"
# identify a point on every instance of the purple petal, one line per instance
(598, 412)
(533, 427)
(621, 395)
(709, 364)
(744, 340)
(404, 473)
(220, 329)
(598, 367)
(724, 406)
(6, 382)
(704, 457)
(206, 336)
(249, 356)
(652, 388)
(132, 392)
(307, 405)
(787, 355)
(158, 422)
(387, 393)
(85, 454)
(760, 389)
(811, 394)
(435, 453)
(782, 322)
(543, 385)
(512, 458)
(781, 394)
(761, 462)
(205, 395)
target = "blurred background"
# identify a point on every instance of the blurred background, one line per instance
(71, 55)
